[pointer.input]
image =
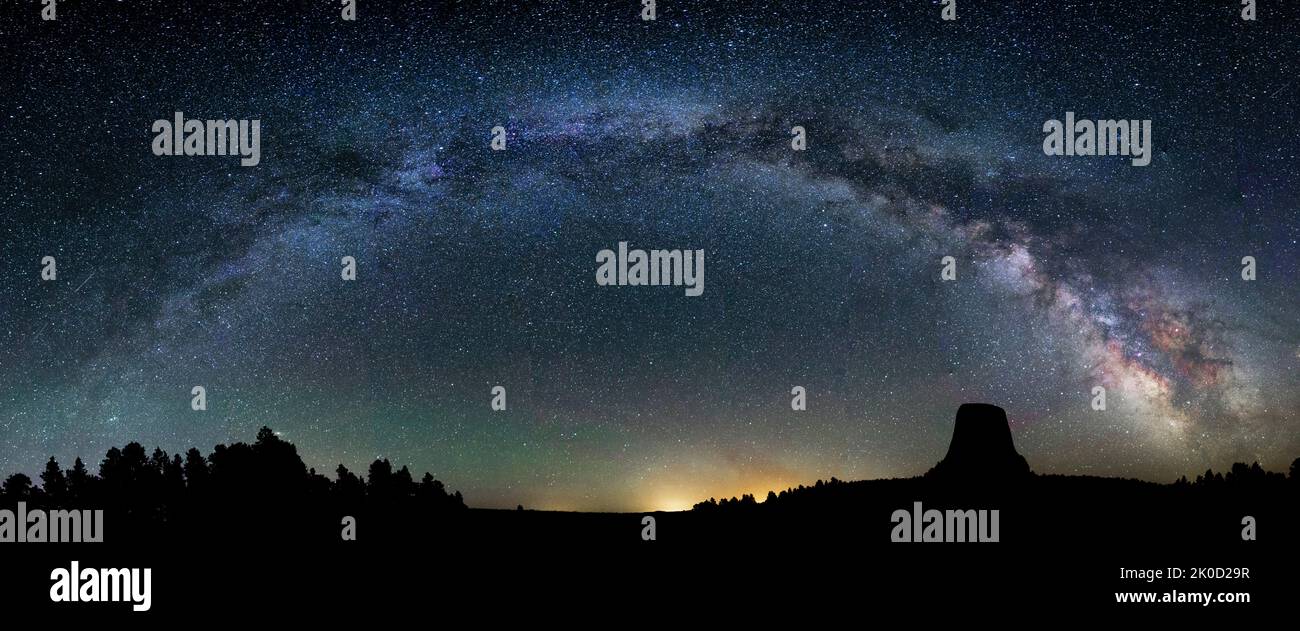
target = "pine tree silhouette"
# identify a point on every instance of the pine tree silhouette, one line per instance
(148, 493)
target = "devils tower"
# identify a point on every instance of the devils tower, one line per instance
(981, 447)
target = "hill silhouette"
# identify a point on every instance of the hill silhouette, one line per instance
(983, 470)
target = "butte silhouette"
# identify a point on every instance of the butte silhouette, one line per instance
(981, 448)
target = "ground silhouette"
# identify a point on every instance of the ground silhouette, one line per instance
(983, 470)
(252, 521)
(253, 491)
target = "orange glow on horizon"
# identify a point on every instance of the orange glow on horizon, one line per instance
(681, 498)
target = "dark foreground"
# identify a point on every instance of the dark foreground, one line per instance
(1062, 544)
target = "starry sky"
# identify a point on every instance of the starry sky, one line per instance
(476, 267)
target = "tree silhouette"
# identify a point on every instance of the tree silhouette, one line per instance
(379, 480)
(79, 482)
(17, 488)
(402, 482)
(54, 481)
(195, 469)
(216, 494)
(348, 487)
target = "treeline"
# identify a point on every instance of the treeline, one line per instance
(1242, 475)
(146, 492)
(747, 500)
(1239, 478)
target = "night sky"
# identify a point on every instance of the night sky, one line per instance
(476, 267)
